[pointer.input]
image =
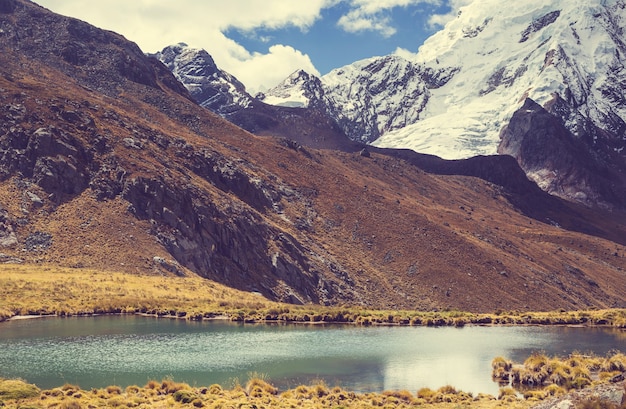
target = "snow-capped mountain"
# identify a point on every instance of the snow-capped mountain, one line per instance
(210, 86)
(300, 117)
(454, 97)
(299, 90)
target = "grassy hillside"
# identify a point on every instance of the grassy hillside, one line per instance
(53, 290)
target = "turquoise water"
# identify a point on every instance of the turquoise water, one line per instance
(131, 350)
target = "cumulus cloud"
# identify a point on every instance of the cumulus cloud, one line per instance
(262, 71)
(372, 15)
(355, 21)
(154, 24)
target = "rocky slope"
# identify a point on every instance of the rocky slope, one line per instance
(107, 163)
(453, 98)
(223, 94)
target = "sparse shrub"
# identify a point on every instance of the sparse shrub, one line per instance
(534, 394)
(426, 393)
(257, 386)
(616, 362)
(215, 389)
(168, 386)
(554, 390)
(500, 362)
(132, 389)
(536, 362)
(320, 389)
(447, 389)
(303, 392)
(69, 387)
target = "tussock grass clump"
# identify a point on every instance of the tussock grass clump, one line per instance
(507, 394)
(114, 390)
(17, 389)
(70, 405)
(615, 362)
(316, 396)
(541, 376)
(401, 395)
(257, 387)
(185, 396)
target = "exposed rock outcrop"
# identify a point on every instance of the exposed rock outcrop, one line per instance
(559, 162)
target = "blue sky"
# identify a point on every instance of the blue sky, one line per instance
(261, 42)
(330, 46)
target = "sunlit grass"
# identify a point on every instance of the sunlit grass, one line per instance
(258, 392)
(51, 290)
(42, 290)
(540, 376)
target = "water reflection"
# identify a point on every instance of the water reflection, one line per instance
(95, 352)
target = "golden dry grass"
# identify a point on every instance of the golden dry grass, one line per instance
(37, 290)
(44, 289)
(48, 289)
(257, 394)
(541, 376)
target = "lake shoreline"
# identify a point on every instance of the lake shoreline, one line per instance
(300, 321)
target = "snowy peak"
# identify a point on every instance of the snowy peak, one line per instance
(299, 90)
(453, 98)
(211, 87)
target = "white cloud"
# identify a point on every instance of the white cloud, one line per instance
(440, 20)
(262, 71)
(371, 15)
(154, 24)
(355, 21)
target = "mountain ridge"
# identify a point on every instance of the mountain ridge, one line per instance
(124, 171)
(456, 95)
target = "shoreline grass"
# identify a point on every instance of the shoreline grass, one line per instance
(55, 291)
(256, 393)
(27, 290)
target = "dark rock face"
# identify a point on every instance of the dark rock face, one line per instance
(7, 6)
(539, 23)
(209, 86)
(98, 59)
(559, 162)
(52, 158)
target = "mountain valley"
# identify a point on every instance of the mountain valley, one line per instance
(108, 163)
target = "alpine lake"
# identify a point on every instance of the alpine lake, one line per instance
(95, 352)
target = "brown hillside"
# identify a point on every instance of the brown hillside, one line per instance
(106, 163)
